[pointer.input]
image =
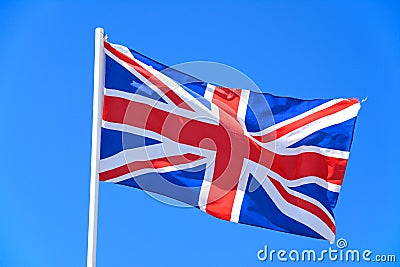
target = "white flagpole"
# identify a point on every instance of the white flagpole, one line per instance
(96, 126)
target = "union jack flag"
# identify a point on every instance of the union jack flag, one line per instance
(241, 156)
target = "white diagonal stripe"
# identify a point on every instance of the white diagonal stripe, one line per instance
(167, 148)
(298, 117)
(294, 212)
(143, 171)
(314, 126)
(211, 118)
(200, 109)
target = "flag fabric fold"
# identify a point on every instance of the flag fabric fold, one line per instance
(242, 156)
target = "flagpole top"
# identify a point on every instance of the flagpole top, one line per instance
(99, 30)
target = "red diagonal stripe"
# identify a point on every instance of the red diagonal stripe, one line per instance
(278, 133)
(154, 80)
(153, 164)
(305, 205)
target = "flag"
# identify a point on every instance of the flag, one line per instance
(242, 156)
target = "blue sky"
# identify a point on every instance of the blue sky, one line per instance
(304, 49)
